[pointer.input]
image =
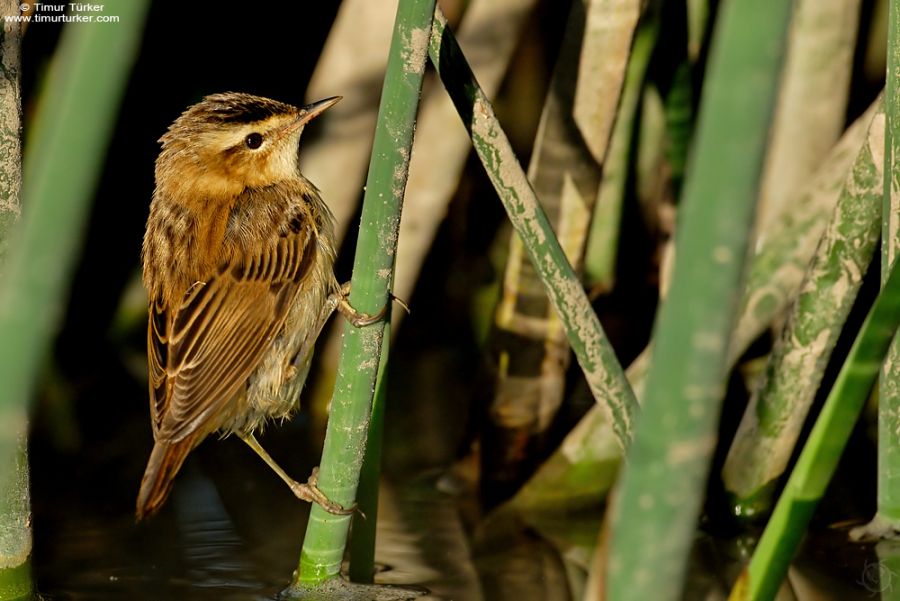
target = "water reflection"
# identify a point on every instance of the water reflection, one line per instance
(232, 531)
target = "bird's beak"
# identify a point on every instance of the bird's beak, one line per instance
(311, 111)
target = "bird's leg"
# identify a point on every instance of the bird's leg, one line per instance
(307, 491)
(355, 317)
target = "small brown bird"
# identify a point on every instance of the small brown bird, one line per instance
(238, 265)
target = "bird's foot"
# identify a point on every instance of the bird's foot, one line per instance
(358, 318)
(310, 492)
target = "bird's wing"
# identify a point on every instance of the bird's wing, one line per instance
(201, 352)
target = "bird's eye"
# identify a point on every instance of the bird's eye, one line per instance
(253, 141)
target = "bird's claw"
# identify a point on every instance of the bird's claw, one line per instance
(358, 318)
(310, 492)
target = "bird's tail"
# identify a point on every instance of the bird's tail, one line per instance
(164, 463)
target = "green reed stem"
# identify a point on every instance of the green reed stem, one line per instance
(665, 474)
(889, 387)
(348, 425)
(63, 162)
(15, 506)
(603, 241)
(362, 540)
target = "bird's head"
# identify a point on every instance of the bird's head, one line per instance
(232, 141)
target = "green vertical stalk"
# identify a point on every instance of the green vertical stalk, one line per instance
(888, 516)
(345, 438)
(10, 123)
(64, 158)
(362, 539)
(665, 475)
(820, 456)
(888, 566)
(603, 240)
(602, 370)
(15, 505)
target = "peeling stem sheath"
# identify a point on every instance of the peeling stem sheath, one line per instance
(592, 349)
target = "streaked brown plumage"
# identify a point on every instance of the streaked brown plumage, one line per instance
(238, 257)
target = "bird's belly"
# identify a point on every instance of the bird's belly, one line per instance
(273, 389)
